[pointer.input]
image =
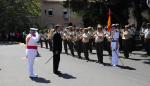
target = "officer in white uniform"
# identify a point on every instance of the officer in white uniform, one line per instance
(31, 50)
(115, 45)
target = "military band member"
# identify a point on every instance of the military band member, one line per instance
(126, 35)
(57, 49)
(71, 40)
(41, 38)
(147, 39)
(115, 45)
(90, 31)
(85, 40)
(46, 39)
(143, 28)
(78, 42)
(65, 39)
(99, 38)
(132, 30)
(31, 50)
(107, 41)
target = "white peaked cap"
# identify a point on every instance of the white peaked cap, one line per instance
(33, 29)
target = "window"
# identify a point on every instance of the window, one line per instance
(50, 12)
(65, 14)
(45, 11)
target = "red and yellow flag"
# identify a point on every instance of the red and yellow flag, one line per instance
(109, 21)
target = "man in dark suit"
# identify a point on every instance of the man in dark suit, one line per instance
(57, 48)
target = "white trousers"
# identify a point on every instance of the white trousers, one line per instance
(31, 54)
(115, 53)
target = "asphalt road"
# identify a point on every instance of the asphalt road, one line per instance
(13, 70)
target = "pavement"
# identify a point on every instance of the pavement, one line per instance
(75, 72)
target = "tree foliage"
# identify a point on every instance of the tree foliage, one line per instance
(95, 11)
(14, 14)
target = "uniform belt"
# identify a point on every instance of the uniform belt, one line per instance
(114, 40)
(31, 47)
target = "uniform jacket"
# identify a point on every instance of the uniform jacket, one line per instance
(57, 42)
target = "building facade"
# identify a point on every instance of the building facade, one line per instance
(53, 12)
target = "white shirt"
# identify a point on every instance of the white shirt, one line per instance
(115, 35)
(86, 37)
(147, 33)
(32, 40)
(99, 36)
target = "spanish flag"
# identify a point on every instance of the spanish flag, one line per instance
(109, 21)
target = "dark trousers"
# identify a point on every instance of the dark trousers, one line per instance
(106, 46)
(56, 60)
(70, 44)
(143, 43)
(91, 45)
(85, 50)
(65, 46)
(126, 47)
(78, 47)
(41, 43)
(99, 50)
(147, 46)
(50, 45)
(46, 44)
(132, 43)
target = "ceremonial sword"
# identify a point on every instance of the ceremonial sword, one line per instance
(48, 59)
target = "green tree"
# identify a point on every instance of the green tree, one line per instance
(95, 11)
(15, 14)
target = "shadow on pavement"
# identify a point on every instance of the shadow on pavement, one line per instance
(91, 60)
(127, 67)
(140, 54)
(40, 80)
(107, 64)
(134, 59)
(8, 43)
(67, 76)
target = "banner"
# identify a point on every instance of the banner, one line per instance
(109, 21)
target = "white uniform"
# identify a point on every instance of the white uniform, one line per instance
(31, 52)
(115, 47)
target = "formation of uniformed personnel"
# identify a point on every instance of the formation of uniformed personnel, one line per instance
(115, 45)
(99, 38)
(31, 50)
(147, 39)
(57, 49)
(126, 42)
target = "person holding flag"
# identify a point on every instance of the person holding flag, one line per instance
(114, 45)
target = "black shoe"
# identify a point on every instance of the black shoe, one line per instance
(58, 73)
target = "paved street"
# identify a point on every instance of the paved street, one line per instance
(13, 70)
